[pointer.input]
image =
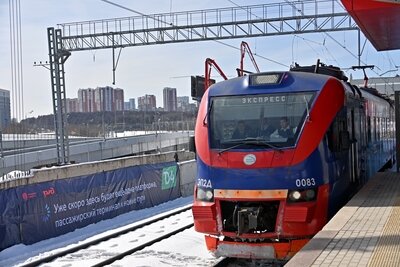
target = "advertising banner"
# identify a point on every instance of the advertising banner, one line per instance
(39, 211)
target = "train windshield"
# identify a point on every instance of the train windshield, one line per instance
(236, 122)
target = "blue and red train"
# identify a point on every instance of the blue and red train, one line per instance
(263, 192)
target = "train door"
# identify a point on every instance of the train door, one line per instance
(354, 128)
(362, 147)
(352, 155)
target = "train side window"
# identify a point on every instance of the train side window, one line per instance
(389, 128)
(378, 129)
(333, 137)
(344, 140)
(384, 126)
(337, 133)
(368, 129)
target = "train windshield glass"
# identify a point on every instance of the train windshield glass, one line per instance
(257, 121)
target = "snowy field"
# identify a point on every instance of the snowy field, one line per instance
(184, 249)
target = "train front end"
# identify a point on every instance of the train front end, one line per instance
(263, 193)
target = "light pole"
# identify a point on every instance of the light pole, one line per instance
(1, 144)
(102, 124)
(1, 151)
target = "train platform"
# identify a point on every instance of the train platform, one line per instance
(365, 232)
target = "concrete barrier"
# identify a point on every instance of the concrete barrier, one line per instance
(92, 150)
(74, 170)
(187, 173)
(116, 184)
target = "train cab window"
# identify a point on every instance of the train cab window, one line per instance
(254, 121)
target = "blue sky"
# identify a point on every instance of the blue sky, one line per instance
(148, 69)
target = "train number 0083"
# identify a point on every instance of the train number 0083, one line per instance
(305, 182)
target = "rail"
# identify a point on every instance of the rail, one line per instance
(113, 235)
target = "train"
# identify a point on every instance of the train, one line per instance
(279, 153)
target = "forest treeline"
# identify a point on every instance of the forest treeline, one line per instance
(100, 123)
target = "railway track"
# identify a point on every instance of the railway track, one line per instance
(232, 262)
(122, 242)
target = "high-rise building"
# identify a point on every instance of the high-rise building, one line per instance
(86, 100)
(118, 97)
(100, 99)
(147, 103)
(5, 111)
(169, 98)
(132, 104)
(182, 103)
(104, 98)
(72, 105)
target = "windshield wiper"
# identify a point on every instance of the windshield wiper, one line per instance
(208, 112)
(250, 141)
(308, 110)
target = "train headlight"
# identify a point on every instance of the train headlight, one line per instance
(294, 195)
(200, 194)
(205, 195)
(209, 195)
(302, 195)
(265, 78)
(310, 194)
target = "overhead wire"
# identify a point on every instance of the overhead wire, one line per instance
(241, 7)
(276, 62)
(268, 59)
(16, 78)
(327, 34)
(232, 2)
(171, 24)
(329, 52)
(324, 48)
(337, 42)
(312, 48)
(391, 61)
(302, 13)
(293, 60)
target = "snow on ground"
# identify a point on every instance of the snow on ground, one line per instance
(186, 249)
(15, 175)
(190, 250)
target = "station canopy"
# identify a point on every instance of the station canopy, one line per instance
(379, 20)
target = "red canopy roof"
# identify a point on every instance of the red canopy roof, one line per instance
(379, 20)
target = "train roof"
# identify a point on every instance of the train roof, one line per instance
(336, 72)
(298, 79)
(370, 92)
(270, 82)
